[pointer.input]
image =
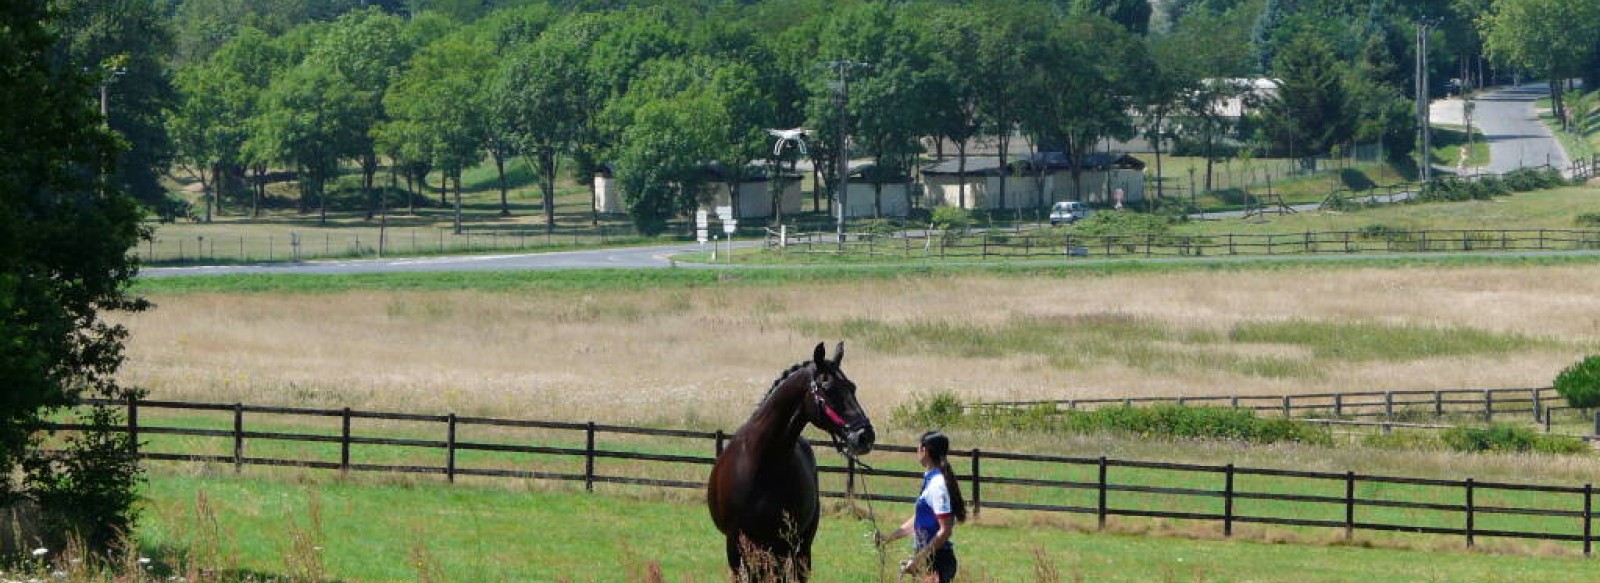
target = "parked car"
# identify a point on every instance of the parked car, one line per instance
(1068, 212)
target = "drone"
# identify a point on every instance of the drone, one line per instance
(796, 135)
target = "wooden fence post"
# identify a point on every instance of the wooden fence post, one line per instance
(1227, 503)
(1388, 405)
(238, 437)
(1488, 405)
(1100, 511)
(1469, 513)
(1588, 518)
(450, 448)
(977, 483)
(1538, 406)
(588, 459)
(133, 424)
(850, 477)
(344, 443)
(1286, 410)
(1349, 505)
(1438, 403)
(1338, 404)
(721, 437)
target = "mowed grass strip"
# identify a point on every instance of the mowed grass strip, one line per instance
(394, 531)
(1251, 348)
(1075, 483)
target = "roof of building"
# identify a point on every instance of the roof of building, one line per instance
(990, 165)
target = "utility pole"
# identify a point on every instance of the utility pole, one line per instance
(841, 99)
(1423, 125)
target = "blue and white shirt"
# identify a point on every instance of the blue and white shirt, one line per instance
(933, 504)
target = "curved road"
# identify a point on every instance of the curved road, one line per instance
(1506, 117)
(1516, 136)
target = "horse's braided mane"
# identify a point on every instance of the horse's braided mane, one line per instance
(781, 376)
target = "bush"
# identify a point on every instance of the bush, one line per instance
(1176, 421)
(1508, 438)
(1120, 223)
(1579, 384)
(1588, 220)
(938, 410)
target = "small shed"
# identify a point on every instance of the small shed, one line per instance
(607, 195)
(755, 191)
(1101, 174)
(864, 201)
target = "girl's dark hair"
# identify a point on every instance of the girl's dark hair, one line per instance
(938, 446)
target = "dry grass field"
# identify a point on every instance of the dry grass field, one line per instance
(703, 356)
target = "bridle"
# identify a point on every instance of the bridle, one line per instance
(840, 429)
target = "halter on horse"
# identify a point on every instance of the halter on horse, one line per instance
(763, 487)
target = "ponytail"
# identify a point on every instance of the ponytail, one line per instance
(958, 505)
(938, 445)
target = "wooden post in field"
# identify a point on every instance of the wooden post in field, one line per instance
(238, 436)
(1349, 505)
(133, 424)
(1588, 518)
(1227, 503)
(977, 484)
(450, 448)
(1469, 513)
(588, 459)
(1100, 509)
(344, 442)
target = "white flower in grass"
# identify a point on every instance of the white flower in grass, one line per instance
(144, 560)
(40, 552)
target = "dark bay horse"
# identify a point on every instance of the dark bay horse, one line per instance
(763, 488)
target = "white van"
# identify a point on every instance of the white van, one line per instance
(1068, 212)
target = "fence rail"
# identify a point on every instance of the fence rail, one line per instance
(1388, 405)
(1025, 244)
(1101, 487)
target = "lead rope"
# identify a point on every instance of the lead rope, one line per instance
(872, 517)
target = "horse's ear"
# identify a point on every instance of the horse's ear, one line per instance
(838, 354)
(820, 355)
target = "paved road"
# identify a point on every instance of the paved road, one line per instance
(622, 258)
(1516, 136)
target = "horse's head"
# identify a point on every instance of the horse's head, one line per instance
(833, 406)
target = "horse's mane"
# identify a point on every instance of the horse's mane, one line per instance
(781, 376)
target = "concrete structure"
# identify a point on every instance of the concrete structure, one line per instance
(755, 194)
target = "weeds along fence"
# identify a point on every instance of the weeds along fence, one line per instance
(452, 446)
(1487, 404)
(1038, 243)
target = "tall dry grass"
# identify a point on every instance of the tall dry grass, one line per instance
(706, 356)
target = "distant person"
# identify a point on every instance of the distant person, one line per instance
(939, 508)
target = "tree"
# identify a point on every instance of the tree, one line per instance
(659, 161)
(367, 48)
(310, 118)
(441, 93)
(1082, 86)
(255, 59)
(208, 126)
(64, 262)
(1133, 15)
(954, 38)
(538, 99)
(125, 43)
(1309, 115)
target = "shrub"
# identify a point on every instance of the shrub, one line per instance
(951, 218)
(1579, 384)
(941, 409)
(1588, 220)
(1508, 438)
(1114, 223)
(1195, 423)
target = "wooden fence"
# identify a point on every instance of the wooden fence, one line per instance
(1228, 495)
(1389, 405)
(1040, 243)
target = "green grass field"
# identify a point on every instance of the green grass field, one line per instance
(419, 530)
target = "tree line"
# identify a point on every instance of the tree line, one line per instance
(656, 91)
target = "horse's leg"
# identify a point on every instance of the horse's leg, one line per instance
(735, 563)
